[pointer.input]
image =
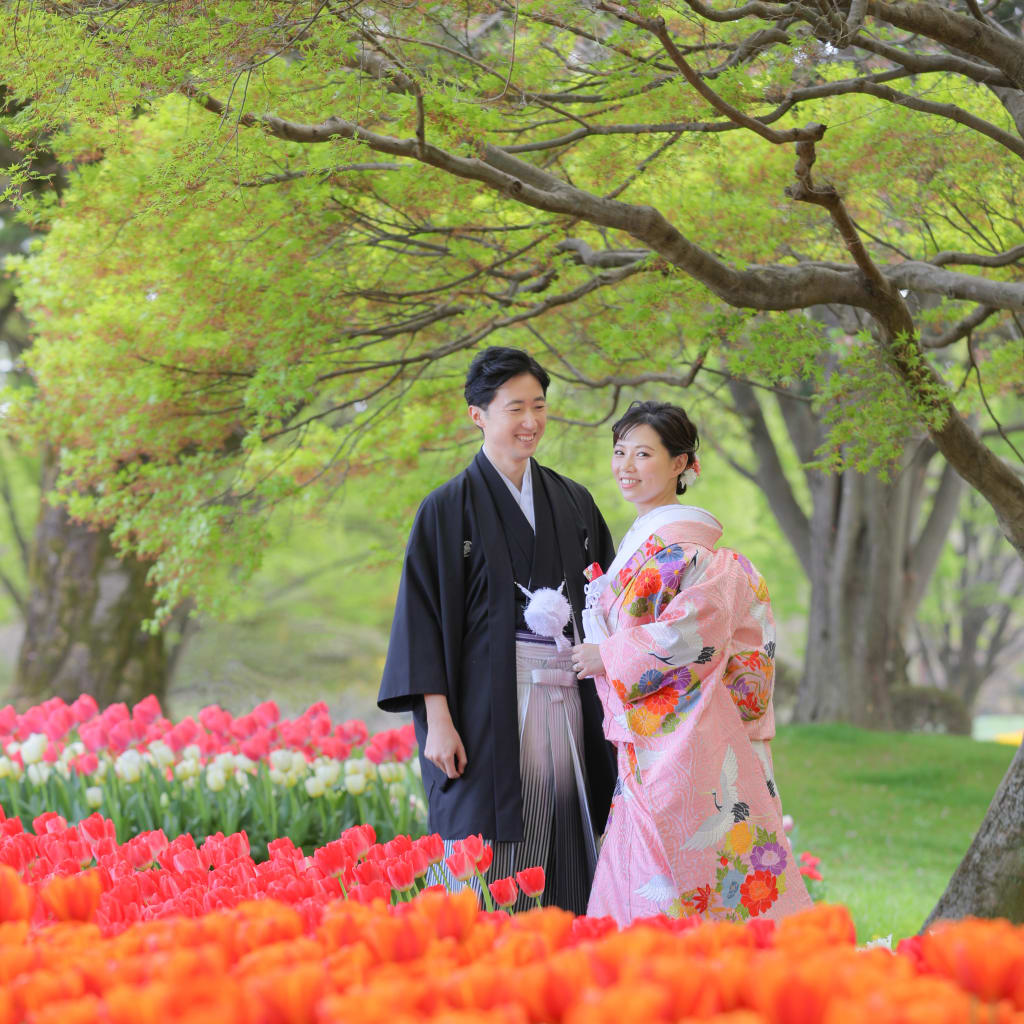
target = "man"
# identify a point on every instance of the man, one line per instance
(511, 744)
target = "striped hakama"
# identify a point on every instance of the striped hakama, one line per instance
(557, 831)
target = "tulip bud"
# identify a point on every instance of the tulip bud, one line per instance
(94, 797)
(504, 891)
(531, 881)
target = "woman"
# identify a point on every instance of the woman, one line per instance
(681, 642)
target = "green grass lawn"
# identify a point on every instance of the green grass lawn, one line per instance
(889, 814)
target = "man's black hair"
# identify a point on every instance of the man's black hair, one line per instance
(496, 365)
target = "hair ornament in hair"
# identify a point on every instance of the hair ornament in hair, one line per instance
(690, 474)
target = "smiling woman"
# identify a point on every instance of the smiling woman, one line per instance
(681, 640)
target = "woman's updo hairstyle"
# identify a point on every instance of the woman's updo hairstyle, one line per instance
(670, 423)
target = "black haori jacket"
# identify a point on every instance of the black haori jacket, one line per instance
(454, 633)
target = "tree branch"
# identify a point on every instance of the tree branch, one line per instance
(658, 28)
(960, 329)
(771, 477)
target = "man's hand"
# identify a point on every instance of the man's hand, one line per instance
(444, 745)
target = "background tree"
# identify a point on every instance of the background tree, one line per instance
(84, 607)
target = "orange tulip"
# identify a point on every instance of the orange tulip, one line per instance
(73, 897)
(87, 1009)
(289, 995)
(982, 957)
(824, 924)
(36, 989)
(398, 939)
(15, 896)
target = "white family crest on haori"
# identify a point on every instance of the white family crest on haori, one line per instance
(548, 613)
(729, 809)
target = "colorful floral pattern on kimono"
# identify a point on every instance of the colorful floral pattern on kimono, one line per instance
(749, 676)
(749, 878)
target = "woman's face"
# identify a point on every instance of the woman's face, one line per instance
(644, 470)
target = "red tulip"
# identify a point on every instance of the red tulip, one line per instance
(504, 891)
(474, 847)
(368, 871)
(531, 881)
(400, 874)
(433, 846)
(461, 865)
(420, 861)
(485, 860)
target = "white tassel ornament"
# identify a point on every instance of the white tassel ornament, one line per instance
(548, 613)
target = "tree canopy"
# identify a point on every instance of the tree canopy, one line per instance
(290, 217)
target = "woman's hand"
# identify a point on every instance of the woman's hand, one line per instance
(586, 661)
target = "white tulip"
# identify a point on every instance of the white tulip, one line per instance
(162, 754)
(192, 752)
(9, 768)
(328, 772)
(94, 797)
(280, 759)
(315, 786)
(277, 777)
(129, 766)
(241, 780)
(165, 800)
(186, 769)
(34, 747)
(355, 783)
(38, 773)
(216, 780)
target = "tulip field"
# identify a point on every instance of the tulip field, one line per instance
(121, 901)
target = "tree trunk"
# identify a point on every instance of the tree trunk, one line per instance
(868, 545)
(990, 879)
(854, 638)
(86, 607)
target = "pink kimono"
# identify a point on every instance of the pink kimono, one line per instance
(695, 825)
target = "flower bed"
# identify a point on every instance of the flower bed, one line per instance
(306, 778)
(153, 930)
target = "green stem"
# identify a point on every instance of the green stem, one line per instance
(485, 892)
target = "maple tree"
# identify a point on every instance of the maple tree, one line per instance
(304, 207)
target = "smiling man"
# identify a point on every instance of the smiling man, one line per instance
(511, 744)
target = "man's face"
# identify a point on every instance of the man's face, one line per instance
(514, 422)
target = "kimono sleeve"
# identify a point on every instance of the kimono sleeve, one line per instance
(750, 671)
(416, 661)
(662, 664)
